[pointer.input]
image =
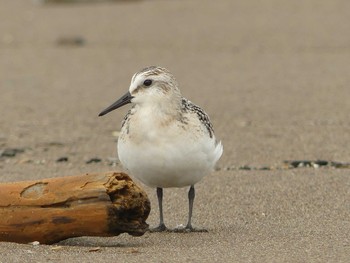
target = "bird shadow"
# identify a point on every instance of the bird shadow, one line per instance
(100, 242)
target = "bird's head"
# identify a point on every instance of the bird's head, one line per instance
(152, 85)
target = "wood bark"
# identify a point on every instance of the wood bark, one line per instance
(50, 210)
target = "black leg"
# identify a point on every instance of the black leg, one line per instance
(191, 196)
(160, 204)
(161, 226)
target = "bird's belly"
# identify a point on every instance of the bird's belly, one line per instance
(167, 164)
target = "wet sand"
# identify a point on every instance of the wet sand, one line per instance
(273, 77)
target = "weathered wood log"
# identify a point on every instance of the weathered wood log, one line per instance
(50, 210)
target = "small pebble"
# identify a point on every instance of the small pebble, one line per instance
(245, 167)
(94, 160)
(71, 41)
(340, 165)
(321, 162)
(265, 168)
(10, 152)
(315, 165)
(62, 159)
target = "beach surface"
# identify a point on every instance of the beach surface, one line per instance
(272, 75)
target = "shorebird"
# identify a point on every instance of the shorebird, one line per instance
(165, 140)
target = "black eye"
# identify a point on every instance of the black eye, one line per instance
(147, 82)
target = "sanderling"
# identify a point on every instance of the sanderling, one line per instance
(165, 139)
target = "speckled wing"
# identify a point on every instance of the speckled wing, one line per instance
(188, 106)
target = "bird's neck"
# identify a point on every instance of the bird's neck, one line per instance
(163, 108)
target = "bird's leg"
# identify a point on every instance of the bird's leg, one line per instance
(160, 204)
(161, 226)
(191, 195)
(189, 227)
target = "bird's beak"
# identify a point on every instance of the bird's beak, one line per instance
(125, 99)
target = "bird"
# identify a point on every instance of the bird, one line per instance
(166, 141)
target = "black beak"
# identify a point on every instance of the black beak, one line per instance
(121, 102)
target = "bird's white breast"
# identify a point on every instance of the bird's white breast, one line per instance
(164, 152)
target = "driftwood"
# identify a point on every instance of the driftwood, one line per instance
(50, 210)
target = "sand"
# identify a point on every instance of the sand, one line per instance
(273, 76)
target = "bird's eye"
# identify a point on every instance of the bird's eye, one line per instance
(147, 82)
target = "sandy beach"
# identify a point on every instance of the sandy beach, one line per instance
(272, 75)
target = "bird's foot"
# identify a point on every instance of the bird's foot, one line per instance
(160, 228)
(189, 229)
